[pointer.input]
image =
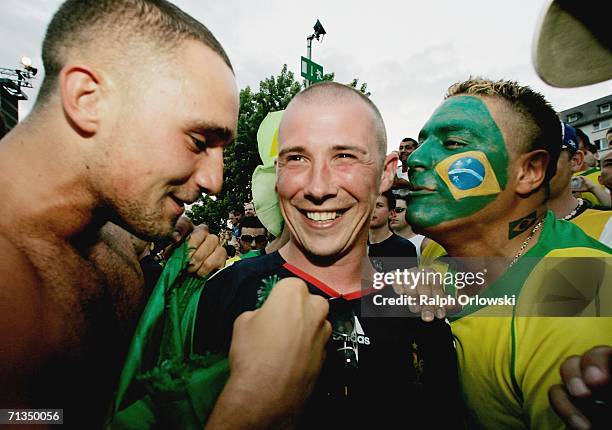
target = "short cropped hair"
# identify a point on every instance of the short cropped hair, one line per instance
(540, 124)
(390, 199)
(399, 197)
(341, 92)
(410, 139)
(89, 25)
(584, 143)
(251, 222)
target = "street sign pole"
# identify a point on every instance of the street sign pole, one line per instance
(312, 71)
(309, 53)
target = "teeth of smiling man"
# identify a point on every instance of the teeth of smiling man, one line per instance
(322, 216)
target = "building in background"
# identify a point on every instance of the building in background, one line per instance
(593, 118)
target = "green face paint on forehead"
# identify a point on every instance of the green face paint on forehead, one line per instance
(461, 163)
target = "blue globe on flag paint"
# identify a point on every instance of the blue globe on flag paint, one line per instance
(466, 173)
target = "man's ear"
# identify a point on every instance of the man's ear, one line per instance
(531, 171)
(577, 160)
(80, 93)
(388, 173)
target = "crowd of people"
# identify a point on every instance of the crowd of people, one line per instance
(493, 173)
(245, 234)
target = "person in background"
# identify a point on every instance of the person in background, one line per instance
(399, 225)
(249, 209)
(587, 172)
(235, 218)
(605, 177)
(562, 201)
(406, 147)
(385, 248)
(588, 150)
(252, 235)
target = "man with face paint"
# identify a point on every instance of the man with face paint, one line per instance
(480, 179)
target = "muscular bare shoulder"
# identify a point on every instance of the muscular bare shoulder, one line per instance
(115, 257)
(22, 318)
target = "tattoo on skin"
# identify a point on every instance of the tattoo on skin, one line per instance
(521, 225)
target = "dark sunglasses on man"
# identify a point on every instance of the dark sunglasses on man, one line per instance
(398, 210)
(248, 238)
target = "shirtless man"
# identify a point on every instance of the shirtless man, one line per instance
(110, 142)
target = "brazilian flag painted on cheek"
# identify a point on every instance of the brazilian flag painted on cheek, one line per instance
(468, 174)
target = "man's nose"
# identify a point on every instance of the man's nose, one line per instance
(209, 171)
(321, 184)
(420, 159)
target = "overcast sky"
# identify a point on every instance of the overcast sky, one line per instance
(408, 52)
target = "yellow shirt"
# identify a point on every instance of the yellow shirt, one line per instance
(508, 363)
(592, 221)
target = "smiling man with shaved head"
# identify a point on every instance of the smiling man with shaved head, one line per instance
(331, 168)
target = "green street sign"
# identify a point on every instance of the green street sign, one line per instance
(311, 70)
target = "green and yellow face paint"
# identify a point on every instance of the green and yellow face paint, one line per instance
(461, 164)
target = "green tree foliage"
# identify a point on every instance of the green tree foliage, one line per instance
(242, 156)
(363, 87)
